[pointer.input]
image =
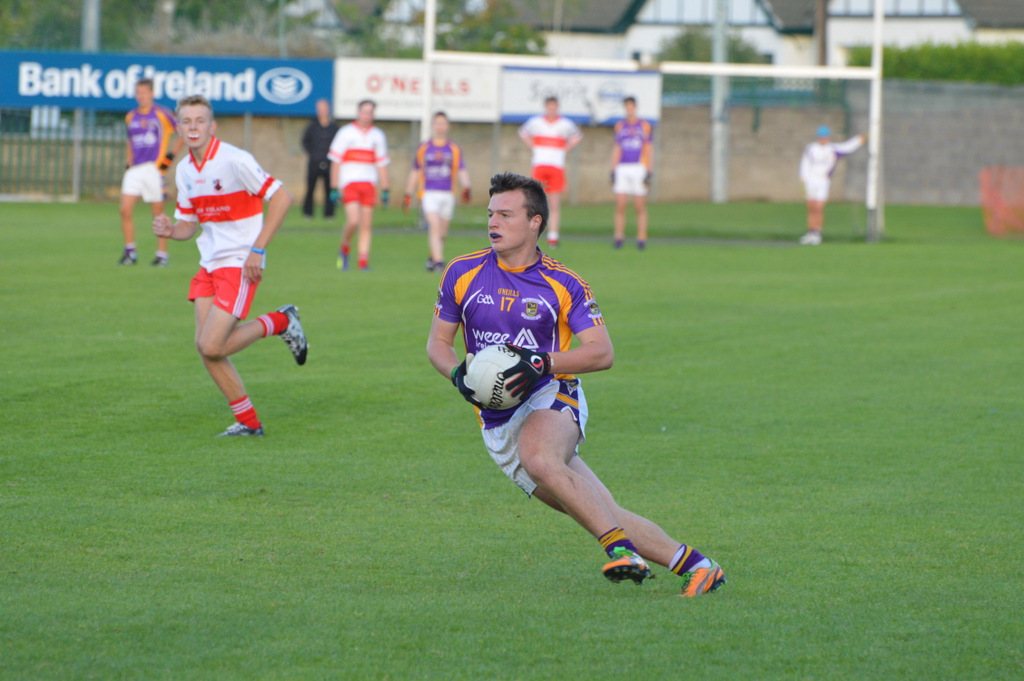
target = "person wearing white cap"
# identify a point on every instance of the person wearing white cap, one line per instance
(816, 167)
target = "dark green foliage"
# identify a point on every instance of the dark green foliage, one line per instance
(967, 62)
(694, 44)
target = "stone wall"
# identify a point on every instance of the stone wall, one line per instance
(936, 138)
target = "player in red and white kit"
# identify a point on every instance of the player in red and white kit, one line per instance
(359, 161)
(551, 137)
(221, 189)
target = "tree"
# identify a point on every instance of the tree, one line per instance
(492, 30)
(694, 44)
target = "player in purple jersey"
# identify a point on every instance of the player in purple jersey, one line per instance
(147, 157)
(632, 159)
(434, 168)
(515, 295)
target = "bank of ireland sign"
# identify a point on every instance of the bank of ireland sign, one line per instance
(107, 81)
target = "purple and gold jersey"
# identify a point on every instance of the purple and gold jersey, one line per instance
(149, 133)
(540, 307)
(439, 165)
(632, 139)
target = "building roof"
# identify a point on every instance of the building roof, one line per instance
(587, 16)
(797, 16)
(993, 13)
(790, 16)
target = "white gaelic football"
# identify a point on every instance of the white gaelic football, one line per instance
(485, 374)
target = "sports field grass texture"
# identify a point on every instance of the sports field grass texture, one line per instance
(840, 427)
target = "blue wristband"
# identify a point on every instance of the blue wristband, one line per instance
(258, 251)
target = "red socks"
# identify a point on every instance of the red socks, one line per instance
(245, 412)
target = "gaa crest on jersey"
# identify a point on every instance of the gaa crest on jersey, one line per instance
(531, 308)
(594, 312)
(217, 185)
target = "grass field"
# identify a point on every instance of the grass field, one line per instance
(840, 427)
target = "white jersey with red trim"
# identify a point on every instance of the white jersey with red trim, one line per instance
(225, 194)
(549, 139)
(360, 152)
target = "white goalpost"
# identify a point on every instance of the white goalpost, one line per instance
(871, 74)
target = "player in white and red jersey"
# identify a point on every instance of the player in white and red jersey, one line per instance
(359, 162)
(816, 167)
(551, 137)
(222, 189)
(148, 155)
(513, 294)
(631, 171)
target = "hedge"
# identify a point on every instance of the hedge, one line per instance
(974, 62)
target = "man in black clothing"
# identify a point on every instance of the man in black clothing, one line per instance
(316, 140)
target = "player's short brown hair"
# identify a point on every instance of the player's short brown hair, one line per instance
(536, 200)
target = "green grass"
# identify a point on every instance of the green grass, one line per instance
(839, 426)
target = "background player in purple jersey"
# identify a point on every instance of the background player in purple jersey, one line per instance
(632, 158)
(147, 157)
(434, 168)
(512, 293)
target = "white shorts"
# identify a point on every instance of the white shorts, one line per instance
(146, 181)
(629, 179)
(435, 201)
(817, 190)
(503, 441)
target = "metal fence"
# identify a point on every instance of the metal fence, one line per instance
(48, 153)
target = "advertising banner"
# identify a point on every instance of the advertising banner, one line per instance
(106, 82)
(466, 92)
(587, 97)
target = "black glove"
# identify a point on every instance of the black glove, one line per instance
(165, 162)
(531, 367)
(385, 196)
(647, 178)
(611, 177)
(459, 381)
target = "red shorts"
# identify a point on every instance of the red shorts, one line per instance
(364, 193)
(551, 177)
(228, 287)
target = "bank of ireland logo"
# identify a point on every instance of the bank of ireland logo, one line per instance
(284, 85)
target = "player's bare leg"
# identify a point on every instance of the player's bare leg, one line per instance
(547, 443)
(157, 207)
(815, 221)
(218, 336)
(621, 200)
(365, 235)
(815, 215)
(652, 541)
(437, 231)
(353, 212)
(575, 490)
(640, 203)
(127, 209)
(554, 217)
